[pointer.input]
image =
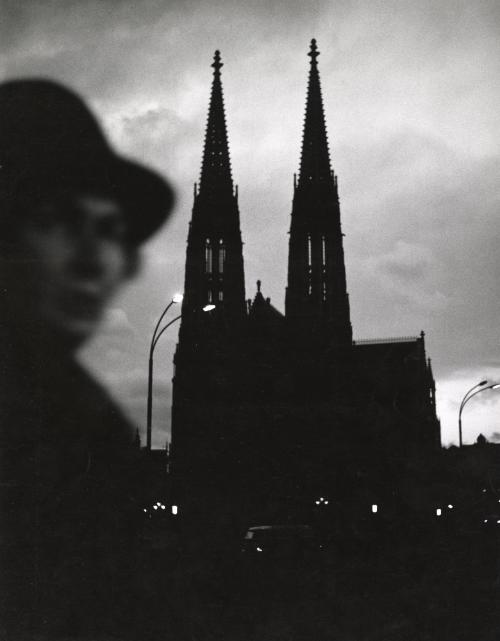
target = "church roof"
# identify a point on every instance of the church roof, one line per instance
(261, 310)
(390, 348)
(393, 361)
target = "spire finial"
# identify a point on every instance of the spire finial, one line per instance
(313, 52)
(217, 64)
(258, 286)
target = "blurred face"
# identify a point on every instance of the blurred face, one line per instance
(74, 257)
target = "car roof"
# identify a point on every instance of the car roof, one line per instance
(260, 528)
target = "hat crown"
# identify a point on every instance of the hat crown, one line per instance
(43, 122)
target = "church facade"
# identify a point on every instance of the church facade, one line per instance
(271, 410)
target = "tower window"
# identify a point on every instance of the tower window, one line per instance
(323, 291)
(209, 297)
(208, 256)
(323, 250)
(309, 264)
(221, 296)
(222, 256)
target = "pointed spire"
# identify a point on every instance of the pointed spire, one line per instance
(316, 295)
(216, 168)
(315, 159)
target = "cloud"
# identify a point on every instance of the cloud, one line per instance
(411, 100)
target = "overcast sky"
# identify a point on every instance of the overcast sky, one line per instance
(412, 95)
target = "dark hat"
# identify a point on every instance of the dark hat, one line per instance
(50, 142)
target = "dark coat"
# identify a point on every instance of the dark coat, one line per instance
(70, 504)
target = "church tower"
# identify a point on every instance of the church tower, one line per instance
(316, 296)
(214, 261)
(207, 361)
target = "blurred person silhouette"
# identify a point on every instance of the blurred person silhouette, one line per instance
(73, 214)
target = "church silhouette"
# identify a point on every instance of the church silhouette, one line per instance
(272, 410)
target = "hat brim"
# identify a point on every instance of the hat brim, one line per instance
(145, 197)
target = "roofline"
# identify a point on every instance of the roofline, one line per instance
(380, 341)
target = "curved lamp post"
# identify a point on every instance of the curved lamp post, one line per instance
(177, 298)
(470, 394)
(154, 340)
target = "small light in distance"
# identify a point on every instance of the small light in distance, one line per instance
(175, 509)
(162, 507)
(208, 308)
(450, 506)
(177, 298)
(259, 549)
(374, 508)
(438, 511)
(155, 507)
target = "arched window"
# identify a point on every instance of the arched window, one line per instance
(309, 250)
(208, 256)
(309, 264)
(222, 256)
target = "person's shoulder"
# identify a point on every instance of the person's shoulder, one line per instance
(94, 404)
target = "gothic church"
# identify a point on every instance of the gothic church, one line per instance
(272, 410)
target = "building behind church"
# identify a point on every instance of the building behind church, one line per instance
(272, 410)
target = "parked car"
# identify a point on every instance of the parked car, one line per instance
(285, 541)
(282, 561)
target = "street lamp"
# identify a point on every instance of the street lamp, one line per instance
(177, 298)
(470, 394)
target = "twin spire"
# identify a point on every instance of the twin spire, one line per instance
(216, 180)
(316, 288)
(315, 159)
(315, 166)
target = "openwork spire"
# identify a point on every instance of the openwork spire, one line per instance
(216, 168)
(315, 159)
